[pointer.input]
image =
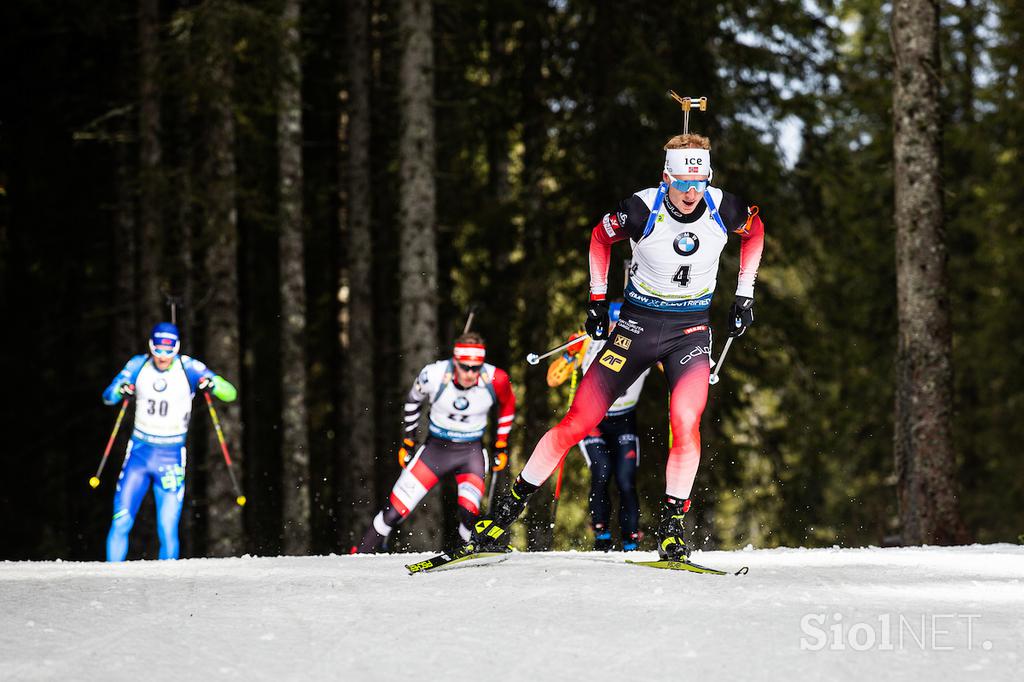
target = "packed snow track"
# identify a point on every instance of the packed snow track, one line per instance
(839, 614)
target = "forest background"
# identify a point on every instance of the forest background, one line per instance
(327, 188)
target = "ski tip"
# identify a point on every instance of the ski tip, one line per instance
(426, 564)
(445, 561)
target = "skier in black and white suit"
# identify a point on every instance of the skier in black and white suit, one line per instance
(461, 391)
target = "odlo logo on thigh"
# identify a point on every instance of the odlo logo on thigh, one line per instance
(612, 360)
(696, 352)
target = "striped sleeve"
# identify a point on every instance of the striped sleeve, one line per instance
(413, 402)
(506, 406)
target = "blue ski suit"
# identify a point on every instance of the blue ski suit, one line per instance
(155, 455)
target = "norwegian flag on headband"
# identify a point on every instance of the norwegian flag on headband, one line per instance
(688, 162)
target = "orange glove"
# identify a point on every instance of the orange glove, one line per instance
(405, 453)
(500, 456)
(576, 348)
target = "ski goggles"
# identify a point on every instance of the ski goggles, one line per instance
(469, 368)
(686, 185)
(163, 351)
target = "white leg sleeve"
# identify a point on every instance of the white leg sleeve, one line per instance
(379, 525)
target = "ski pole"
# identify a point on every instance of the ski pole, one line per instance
(239, 497)
(713, 379)
(558, 493)
(561, 465)
(95, 480)
(490, 491)
(533, 358)
(500, 463)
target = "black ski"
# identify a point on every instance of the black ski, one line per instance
(463, 557)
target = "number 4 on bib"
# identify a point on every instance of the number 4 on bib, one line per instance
(682, 275)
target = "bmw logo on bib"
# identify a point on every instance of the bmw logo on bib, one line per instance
(160, 385)
(686, 244)
(461, 403)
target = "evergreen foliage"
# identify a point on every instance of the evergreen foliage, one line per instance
(546, 116)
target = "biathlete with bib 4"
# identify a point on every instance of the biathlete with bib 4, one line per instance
(678, 231)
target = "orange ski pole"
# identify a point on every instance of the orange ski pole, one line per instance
(239, 497)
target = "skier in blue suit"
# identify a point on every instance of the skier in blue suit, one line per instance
(163, 383)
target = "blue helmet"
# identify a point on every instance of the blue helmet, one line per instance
(164, 339)
(613, 311)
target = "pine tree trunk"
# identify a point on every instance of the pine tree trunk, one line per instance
(925, 460)
(180, 169)
(417, 215)
(150, 161)
(220, 258)
(295, 436)
(360, 415)
(533, 328)
(499, 285)
(126, 329)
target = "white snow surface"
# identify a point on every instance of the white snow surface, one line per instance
(952, 613)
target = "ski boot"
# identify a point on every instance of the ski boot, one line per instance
(671, 545)
(375, 540)
(490, 531)
(631, 542)
(602, 538)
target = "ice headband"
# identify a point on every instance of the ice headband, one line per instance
(688, 162)
(470, 352)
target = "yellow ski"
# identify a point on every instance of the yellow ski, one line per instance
(445, 561)
(684, 566)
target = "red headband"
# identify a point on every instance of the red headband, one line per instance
(470, 352)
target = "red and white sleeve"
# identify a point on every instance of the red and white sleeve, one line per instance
(604, 234)
(751, 247)
(506, 406)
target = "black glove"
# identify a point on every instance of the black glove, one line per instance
(597, 320)
(741, 315)
(127, 390)
(206, 384)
